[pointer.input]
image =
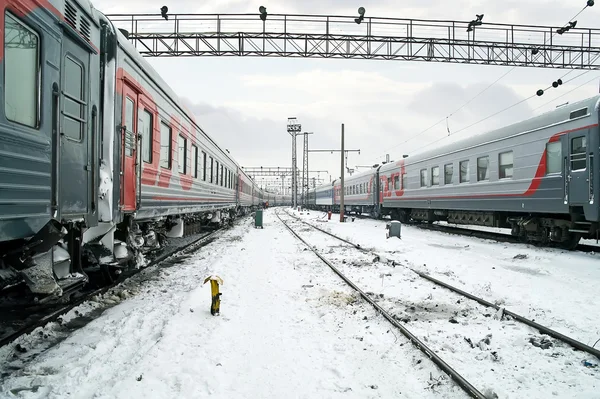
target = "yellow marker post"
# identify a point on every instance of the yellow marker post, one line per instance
(216, 295)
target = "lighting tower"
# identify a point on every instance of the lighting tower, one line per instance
(294, 128)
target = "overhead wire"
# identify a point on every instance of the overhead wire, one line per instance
(484, 90)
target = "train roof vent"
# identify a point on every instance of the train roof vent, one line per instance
(84, 27)
(71, 15)
(578, 113)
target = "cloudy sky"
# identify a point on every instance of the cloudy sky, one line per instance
(244, 103)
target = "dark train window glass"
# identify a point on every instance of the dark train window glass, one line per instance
(129, 139)
(194, 161)
(483, 170)
(165, 146)
(578, 153)
(448, 172)
(221, 175)
(210, 171)
(578, 113)
(554, 157)
(21, 71)
(147, 136)
(404, 181)
(435, 176)
(203, 166)
(423, 177)
(73, 111)
(182, 161)
(505, 165)
(464, 171)
(216, 171)
(396, 182)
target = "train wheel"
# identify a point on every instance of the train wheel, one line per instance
(571, 242)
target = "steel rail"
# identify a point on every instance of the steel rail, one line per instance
(542, 329)
(460, 380)
(194, 245)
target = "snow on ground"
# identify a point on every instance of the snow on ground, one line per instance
(493, 354)
(289, 327)
(556, 288)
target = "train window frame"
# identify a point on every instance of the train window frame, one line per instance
(150, 137)
(574, 157)
(434, 176)
(423, 177)
(460, 170)
(448, 166)
(195, 161)
(397, 182)
(221, 176)
(558, 145)
(487, 168)
(216, 173)
(170, 146)
(180, 169)
(79, 100)
(212, 165)
(404, 181)
(36, 101)
(502, 172)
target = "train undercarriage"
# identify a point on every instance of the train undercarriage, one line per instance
(62, 260)
(563, 231)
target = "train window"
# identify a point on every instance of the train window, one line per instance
(146, 136)
(203, 166)
(211, 169)
(553, 157)
(578, 153)
(194, 161)
(221, 174)
(464, 172)
(73, 109)
(182, 161)
(165, 146)
(435, 176)
(483, 170)
(21, 72)
(216, 171)
(448, 172)
(505, 165)
(404, 181)
(397, 183)
(423, 177)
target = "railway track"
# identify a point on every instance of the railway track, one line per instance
(49, 314)
(504, 315)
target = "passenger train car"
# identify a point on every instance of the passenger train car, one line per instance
(99, 160)
(537, 177)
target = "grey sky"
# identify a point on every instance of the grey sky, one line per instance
(243, 103)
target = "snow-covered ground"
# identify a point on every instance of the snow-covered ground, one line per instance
(556, 288)
(503, 355)
(289, 327)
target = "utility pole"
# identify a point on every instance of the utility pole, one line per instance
(305, 171)
(342, 180)
(294, 128)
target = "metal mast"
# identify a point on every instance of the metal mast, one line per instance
(305, 171)
(293, 128)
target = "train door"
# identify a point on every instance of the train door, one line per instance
(578, 169)
(129, 149)
(75, 164)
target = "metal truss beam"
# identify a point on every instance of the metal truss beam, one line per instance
(317, 36)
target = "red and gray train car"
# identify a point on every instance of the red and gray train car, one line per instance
(99, 160)
(537, 177)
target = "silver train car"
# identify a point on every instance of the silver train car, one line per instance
(537, 177)
(100, 162)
